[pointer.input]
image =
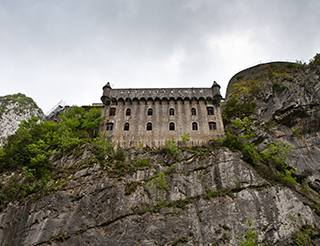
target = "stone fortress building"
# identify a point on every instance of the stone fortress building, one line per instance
(153, 115)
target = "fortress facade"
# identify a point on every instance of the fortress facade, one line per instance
(153, 115)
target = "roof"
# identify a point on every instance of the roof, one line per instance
(162, 93)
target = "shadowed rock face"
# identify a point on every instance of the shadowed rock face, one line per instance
(93, 209)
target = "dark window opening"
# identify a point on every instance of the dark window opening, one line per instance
(128, 112)
(171, 126)
(171, 111)
(212, 126)
(194, 126)
(193, 111)
(150, 111)
(210, 110)
(109, 127)
(149, 126)
(126, 127)
(112, 112)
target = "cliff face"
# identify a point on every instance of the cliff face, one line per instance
(288, 110)
(13, 110)
(201, 196)
(94, 209)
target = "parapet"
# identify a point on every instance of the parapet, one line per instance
(212, 94)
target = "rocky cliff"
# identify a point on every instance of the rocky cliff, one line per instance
(287, 109)
(248, 189)
(210, 196)
(13, 110)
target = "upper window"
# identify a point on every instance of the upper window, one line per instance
(171, 111)
(210, 110)
(112, 112)
(212, 126)
(126, 127)
(128, 112)
(109, 127)
(150, 111)
(171, 126)
(193, 111)
(194, 126)
(149, 126)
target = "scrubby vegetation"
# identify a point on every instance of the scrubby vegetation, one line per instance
(29, 150)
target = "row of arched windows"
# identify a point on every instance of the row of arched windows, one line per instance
(172, 127)
(210, 111)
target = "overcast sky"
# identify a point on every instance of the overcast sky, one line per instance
(69, 49)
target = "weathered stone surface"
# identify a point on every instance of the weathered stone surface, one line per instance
(92, 209)
(13, 110)
(293, 101)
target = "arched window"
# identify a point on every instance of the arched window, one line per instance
(126, 126)
(193, 111)
(149, 126)
(109, 127)
(210, 110)
(171, 111)
(112, 112)
(150, 111)
(171, 126)
(194, 126)
(128, 112)
(212, 126)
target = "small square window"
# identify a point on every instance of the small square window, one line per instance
(194, 126)
(112, 112)
(109, 127)
(212, 126)
(171, 111)
(128, 112)
(193, 111)
(126, 127)
(210, 110)
(171, 126)
(150, 111)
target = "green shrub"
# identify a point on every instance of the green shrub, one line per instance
(250, 238)
(180, 240)
(131, 187)
(159, 184)
(186, 137)
(315, 60)
(234, 109)
(217, 193)
(141, 162)
(170, 148)
(297, 132)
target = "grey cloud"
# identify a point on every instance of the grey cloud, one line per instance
(70, 49)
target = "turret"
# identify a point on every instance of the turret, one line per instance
(215, 88)
(216, 92)
(106, 95)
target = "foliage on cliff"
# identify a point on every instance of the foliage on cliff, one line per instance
(280, 103)
(29, 149)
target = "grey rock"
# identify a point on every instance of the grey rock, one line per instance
(94, 210)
